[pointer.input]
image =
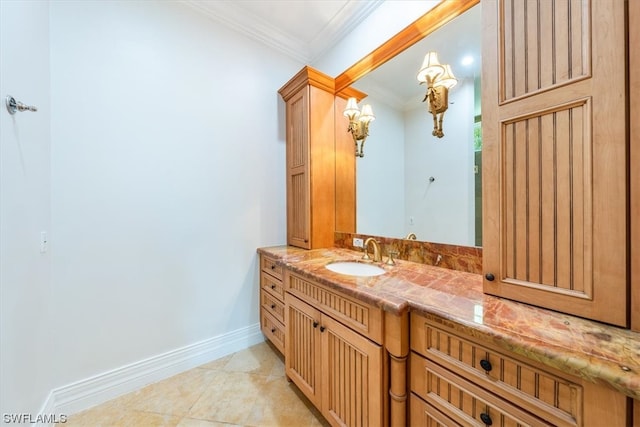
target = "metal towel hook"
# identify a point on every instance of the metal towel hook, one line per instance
(13, 105)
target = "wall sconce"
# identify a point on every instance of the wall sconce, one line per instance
(439, 79)
(358, 123)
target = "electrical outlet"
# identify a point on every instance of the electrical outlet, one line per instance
(358, 243)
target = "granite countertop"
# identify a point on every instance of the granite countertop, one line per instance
(585, 348)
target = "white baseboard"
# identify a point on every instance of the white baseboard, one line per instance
(95, 390)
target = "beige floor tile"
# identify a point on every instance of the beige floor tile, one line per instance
(217, 364)
(192, 422)
(247, 388)
(175, 395)
(282, 404)
(259, 359)
(229, 398)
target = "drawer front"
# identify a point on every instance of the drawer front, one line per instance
(421, 414)
(462, 401)
(272, 285)
(268, 265)
(274, 306)
(554, 398)
(272, 329)
(362, 317)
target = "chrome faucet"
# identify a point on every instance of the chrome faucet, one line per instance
(377, 255)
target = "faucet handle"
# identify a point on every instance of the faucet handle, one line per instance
(391, 254)
(366, 255)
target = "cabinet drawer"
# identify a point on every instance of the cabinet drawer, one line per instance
(272, 329)
(554, 398)
(274, 306)
(364, 318)
(463, 401)
(272, 285)
(421, 414)
(268, 265)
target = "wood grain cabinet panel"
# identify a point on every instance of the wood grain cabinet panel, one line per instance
(338, 369)
(272, 302)
(555, 145)
(311, 160)
(463, 377)
(359, 316)
(425, 415)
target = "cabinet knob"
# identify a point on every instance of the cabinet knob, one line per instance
(306, 240)
(486, 419)
(273, 266)
(273, 330)
(486, 365)
(273, 306)
(315, 324)
(322, 328)
(273, 286)
(490, 277)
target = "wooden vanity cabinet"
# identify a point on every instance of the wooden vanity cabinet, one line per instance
(310, 164)
(458, 379)
(272, 302)
(555, 140)
(333, 352)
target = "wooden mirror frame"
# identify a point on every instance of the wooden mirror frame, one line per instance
(441, 14)
(435, 18)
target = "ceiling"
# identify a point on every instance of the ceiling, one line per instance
(306, 29)
(302, 29)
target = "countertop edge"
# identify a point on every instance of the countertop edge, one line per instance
(592, 368)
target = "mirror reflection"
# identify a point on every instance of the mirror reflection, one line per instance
(411, 181)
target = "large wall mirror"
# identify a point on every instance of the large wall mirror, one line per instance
(410, 181)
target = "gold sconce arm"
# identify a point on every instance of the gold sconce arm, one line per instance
(358, 124)
(439, 79)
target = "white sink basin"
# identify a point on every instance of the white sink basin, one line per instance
(353, 268)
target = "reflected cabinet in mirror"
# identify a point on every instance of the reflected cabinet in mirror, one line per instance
(410, 179)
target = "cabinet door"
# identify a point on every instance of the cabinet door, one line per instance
(298, 192)
(302, 347)
(352, 376)
(555, 140)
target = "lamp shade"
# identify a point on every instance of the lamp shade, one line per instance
(431, 67)
(367, 114)
(352, 108)
(447, 79)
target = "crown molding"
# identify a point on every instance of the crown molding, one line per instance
(352, 14)
(235, 17)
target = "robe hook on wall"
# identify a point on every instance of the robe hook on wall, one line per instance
(13, 105)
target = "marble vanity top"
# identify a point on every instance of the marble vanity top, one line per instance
(592, 350)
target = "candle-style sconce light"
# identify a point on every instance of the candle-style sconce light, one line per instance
(439, 79)
(358, 123)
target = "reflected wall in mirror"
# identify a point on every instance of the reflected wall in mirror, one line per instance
(411, 181)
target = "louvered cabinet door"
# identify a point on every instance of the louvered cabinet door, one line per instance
(302, 347)
(352, 377)
(555, 141)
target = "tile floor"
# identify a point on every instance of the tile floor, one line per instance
(247, 388)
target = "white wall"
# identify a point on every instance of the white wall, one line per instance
(168, 173)
(161, 173)
(443, 210)
(386, 20)
(25, 208)
(380, 204)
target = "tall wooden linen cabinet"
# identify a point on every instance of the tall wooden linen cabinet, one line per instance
(555, 138)
(311, 161)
